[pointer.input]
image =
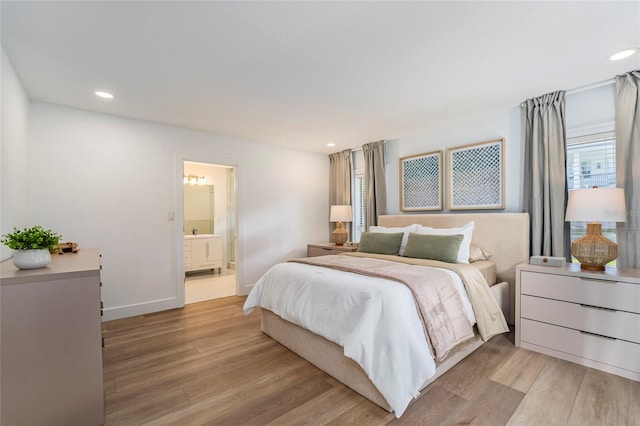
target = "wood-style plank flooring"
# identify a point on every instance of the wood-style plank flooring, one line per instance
(209, 364)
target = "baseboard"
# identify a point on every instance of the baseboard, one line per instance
(140, 309)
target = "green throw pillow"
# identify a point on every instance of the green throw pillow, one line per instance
(380, 243)
(434, 247)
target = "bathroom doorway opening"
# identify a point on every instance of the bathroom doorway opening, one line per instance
(209, 231)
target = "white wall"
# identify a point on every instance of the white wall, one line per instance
(591, 111)
(110, 182)
(13, 154)
(471, 129)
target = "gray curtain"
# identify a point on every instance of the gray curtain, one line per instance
(375, 183)
(545, 181)
(628, 165)
(340, 181)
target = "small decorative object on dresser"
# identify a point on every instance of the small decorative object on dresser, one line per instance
(587, 317)
(547, 261)
(340, 214)
(328, 248)
(32, 246)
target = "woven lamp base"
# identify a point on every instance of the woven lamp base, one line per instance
(339, 236)
(594, 250)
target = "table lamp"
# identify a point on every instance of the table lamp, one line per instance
(595, 205)
(340, 213)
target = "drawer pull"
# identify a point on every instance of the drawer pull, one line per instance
(598, 307)
(326, 248)
(598, 335)
(598, 280)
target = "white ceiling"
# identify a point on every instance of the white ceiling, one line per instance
(302, 74)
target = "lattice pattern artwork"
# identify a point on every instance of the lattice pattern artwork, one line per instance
(476, 176)
(421, 182)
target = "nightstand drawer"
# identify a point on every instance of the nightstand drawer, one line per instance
(595, 292)
(617, 353)
(325, 249)
(322, 251)
(617, 324)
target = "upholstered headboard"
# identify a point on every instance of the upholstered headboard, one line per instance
(504, 235)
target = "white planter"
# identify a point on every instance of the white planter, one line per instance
(31, 259)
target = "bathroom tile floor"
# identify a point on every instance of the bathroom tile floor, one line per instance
(206, 285)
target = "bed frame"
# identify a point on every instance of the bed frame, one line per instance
(504, 235)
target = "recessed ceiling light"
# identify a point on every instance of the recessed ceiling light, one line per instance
(623, 54)
(331, 144)
(105, 95)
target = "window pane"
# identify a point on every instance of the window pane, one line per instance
(591, 163)
(358, 207)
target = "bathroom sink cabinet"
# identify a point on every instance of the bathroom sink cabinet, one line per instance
(202, 252)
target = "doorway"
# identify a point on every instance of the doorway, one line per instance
(209, 231)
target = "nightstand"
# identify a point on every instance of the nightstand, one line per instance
(587, 317)
(328, 248)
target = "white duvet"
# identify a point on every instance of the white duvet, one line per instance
(375, 320)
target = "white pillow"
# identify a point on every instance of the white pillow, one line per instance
(466, 231)
(407, 230)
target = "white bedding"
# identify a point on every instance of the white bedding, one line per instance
(375, 320)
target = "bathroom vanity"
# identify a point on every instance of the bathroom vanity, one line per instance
(202, 252)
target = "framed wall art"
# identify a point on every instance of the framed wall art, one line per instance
(476, 176)
(421, 182)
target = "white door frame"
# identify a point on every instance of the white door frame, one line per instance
(178, 232)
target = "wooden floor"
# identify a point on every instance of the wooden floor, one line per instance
(209, 364)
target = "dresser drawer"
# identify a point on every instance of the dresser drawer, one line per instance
(617, 353)
(618, 324)
(603, 293)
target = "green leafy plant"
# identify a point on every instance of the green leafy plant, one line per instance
(31, 238)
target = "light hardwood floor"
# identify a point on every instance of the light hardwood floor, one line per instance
(209, 364)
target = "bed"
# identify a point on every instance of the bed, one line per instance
(504, 235)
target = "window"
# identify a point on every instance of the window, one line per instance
(358, 205)
(591, 161)
(357, 194)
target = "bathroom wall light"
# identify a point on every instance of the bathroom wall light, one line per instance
(193, 179)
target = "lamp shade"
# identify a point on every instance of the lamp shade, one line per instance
(341, 213)
(596, 205)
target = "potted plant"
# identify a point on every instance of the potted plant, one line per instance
(32, 246)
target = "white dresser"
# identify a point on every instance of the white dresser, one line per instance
(202, 252)
(52, 342)
(590, 318)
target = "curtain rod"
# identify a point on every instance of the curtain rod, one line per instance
(591, 86)
(585, 88)
(360, 147)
